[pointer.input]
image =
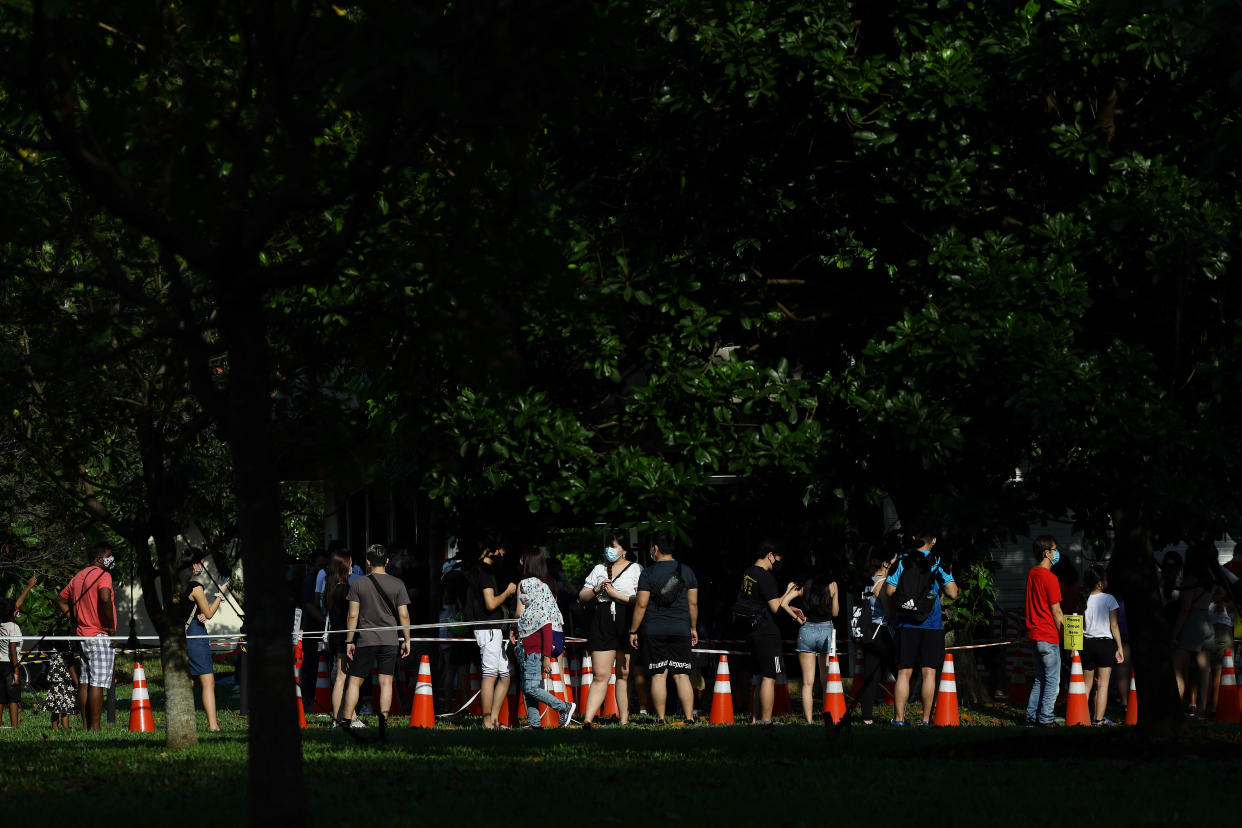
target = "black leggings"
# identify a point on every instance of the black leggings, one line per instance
(879, 658)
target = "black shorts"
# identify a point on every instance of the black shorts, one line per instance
(920, 648)
(10, 691)
(667, 652)
(1099, 652)
(383, 658)
(765, 652)
(608, 633)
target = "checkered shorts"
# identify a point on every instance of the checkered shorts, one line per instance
(98, 659)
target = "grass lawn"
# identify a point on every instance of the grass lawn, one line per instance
(989, 772)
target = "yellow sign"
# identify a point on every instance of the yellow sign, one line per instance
(1073, 632)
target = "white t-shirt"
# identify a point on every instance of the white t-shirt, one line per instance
(9, 632)
(1218, 611)
(626, 584)
(1095, 621)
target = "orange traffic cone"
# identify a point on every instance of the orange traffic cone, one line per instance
(423, 711)
(1132, 703)
(722, 695)
(834, 691)
(584, 681)
(476, 706)
(141, 719)
(550, 717)
(610, 701)
(508, 715)
(1076, 699)
(297, 688)
(780, 693)
(946, 697)
(1227, 700)
(571, 675)
(323, 686)
(1018, 692)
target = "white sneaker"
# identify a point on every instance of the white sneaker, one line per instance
(357, 723)
(568, 715)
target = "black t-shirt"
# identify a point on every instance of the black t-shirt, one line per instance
(672, 620)
(485, 578)
(758, 587)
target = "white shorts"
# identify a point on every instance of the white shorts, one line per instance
(492, 653)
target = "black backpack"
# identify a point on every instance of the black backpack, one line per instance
(671, 589)
(916, 591)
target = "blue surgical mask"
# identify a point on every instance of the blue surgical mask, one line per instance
(1056, 556)
(611, 553)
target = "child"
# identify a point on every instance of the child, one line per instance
(537, 615)
(62, 681)
(10, 660)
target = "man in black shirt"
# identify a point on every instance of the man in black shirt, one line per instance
(486, 602)
(759, 599)
(667, 608)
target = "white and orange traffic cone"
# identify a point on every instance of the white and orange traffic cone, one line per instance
(571, 678)
(834, 691)
(780, 693)
(610, 701)
(585, 678)
(1227, 700)
(722, 695)
(552, 718)
(946, 696)
(1076, 699)
(423, 710)
(508, 715)
(141, 719)
(323, 686)
(297, 688)
(1132, 703)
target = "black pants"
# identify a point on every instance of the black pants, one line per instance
(879, 658)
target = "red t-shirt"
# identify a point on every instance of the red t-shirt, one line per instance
(1042, 591)
(82, 593)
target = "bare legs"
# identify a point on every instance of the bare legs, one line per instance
(207, 683)
(809, 663)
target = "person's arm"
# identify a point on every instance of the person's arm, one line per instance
(1112, 623)
(546, 646)
(351, 629)
(950, 587)
(107, 613)
(21, 599)
(199, 597)
(692, 599)
(493, 601)
(403, 614)
(783, 603)
(836, 605)
(641, 600)
(1057, 616)
(619, 596)
(14, 655)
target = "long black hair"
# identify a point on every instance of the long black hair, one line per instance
(817, 596)
(185, 567)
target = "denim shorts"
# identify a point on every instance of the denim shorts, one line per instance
(814, 637)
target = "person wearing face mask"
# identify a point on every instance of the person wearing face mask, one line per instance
(1044, 622)
(88, 601)
(759, 599)
(611, 589)
(200, 610)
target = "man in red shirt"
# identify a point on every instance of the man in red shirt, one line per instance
(87, 600)
(1044, 623)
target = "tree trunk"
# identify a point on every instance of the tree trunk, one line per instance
(970, 687)
(1151, 647)
(277, 792)
(169, 614)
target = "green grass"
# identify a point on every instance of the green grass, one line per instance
(988, 772)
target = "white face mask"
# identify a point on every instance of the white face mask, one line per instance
(107, 562)
(611, 554)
